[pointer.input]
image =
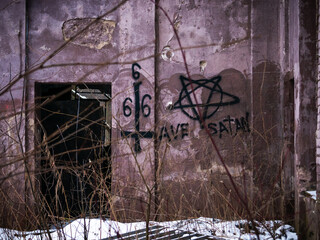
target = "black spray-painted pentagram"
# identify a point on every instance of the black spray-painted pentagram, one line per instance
(216, 97)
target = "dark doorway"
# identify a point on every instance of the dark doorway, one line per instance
(74, 126)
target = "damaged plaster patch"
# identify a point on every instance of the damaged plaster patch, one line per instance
(167, 53)
(203, 65)
(45, 48)
(98, 35)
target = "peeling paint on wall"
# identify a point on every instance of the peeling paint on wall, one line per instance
(233, 50)
(97, 35)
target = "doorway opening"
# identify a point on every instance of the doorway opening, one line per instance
(75, 135)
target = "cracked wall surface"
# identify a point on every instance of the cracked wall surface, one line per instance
(239, 67)
(97, 35)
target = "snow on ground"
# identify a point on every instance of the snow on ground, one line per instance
(313, 194)
(234, 229)
(99, 229)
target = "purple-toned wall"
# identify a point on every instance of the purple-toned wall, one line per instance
(12, 149)
(246, 65)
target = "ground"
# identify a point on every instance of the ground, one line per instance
(101, 229)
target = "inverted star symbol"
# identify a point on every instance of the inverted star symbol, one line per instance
(216, 97)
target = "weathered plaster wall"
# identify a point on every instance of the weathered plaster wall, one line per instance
(49, 30)
(305, 74)
(12, 145)
(133, 171)
(266, 102)
(191, 175)
(305, 101)
(307, 154)
(242, 57)
(318, 126)
(104, 54)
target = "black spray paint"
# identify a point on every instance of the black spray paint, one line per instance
(209, 108)
(174, 133)
(228, 125)
(146, 110)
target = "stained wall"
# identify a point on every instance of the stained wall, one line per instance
(239, 67)
(12, 149)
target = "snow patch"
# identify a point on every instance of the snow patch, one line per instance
(81, 229)
(313, 194)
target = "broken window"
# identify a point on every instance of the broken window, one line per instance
(74, 132)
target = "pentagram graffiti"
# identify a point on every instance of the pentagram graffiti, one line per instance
(212, 98)
(216, 97)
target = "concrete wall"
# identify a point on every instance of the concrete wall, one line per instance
(190, 173)
(251, 80)
(305, 74)
(12, 149)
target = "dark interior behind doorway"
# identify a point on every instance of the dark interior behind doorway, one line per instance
(75, 139)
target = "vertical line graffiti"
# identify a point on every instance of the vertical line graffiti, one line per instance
(215, 99)
(137, 134)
